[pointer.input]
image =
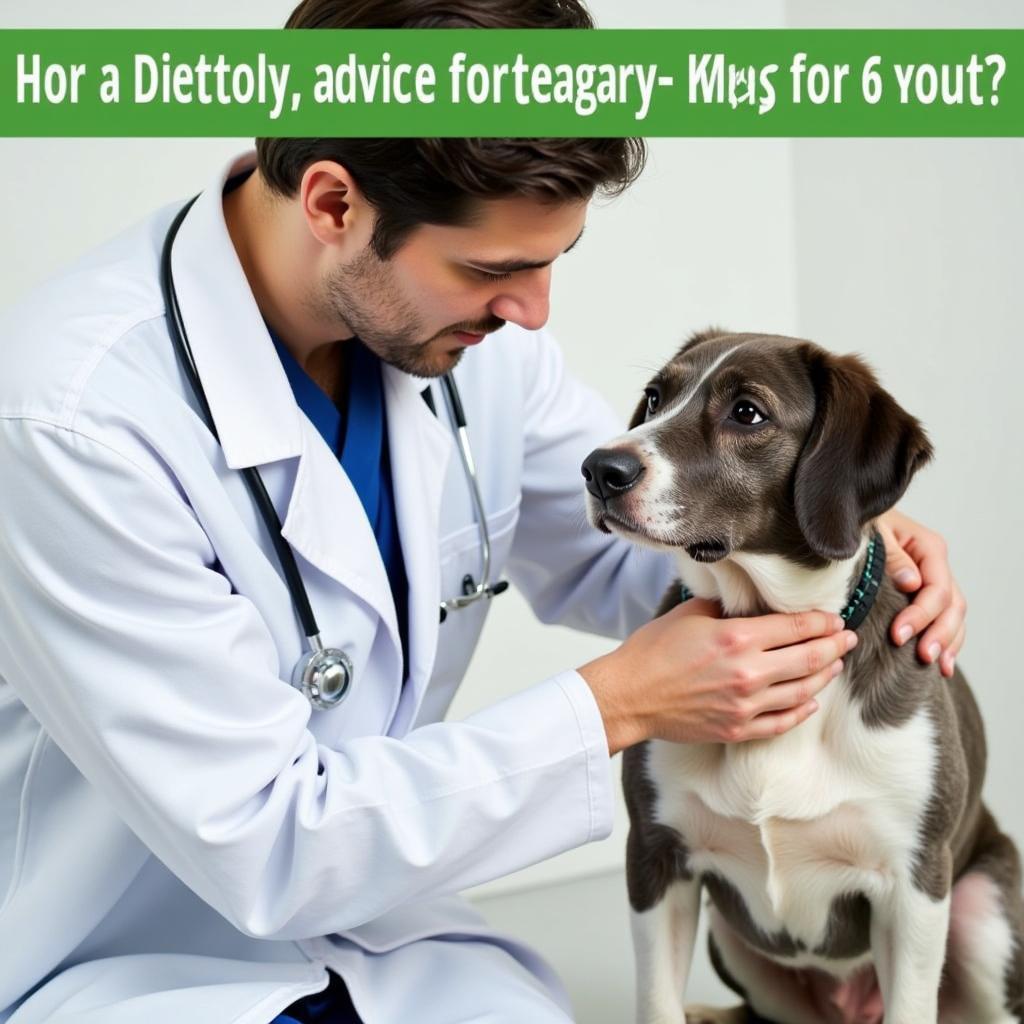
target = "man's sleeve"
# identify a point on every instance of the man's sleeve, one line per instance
(163, 687)
(570, 572)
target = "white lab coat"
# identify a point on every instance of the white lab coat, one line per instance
(182, 841)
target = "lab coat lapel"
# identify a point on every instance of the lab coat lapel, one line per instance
(420, 450)
(257, 418)
(327, 525)
(253, 408)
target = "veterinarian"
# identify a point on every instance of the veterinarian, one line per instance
(227, 792)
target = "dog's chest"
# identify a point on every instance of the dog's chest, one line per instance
(791, 824)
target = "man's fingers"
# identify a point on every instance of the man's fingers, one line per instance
(939, 635)
(925, 608)
(775, 723)
(898, 563)
(767, 632)
(785, 696)
(949, 655)
(806, 659)
(934, 597)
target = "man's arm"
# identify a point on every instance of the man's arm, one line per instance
(162, 686)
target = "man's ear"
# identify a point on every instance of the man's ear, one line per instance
(860, 455)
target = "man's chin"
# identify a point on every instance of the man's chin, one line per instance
(427, 365)
(439, 365)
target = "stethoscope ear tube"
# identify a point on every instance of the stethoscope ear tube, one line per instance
(471, 591)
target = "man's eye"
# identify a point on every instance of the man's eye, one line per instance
(492, 277)
(747, 413)
(653, 400)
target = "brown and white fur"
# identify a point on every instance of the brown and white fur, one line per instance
(850, 863)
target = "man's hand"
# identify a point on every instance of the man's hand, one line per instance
(917, 561)
(690, 676)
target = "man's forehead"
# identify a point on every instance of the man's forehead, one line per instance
(528, 226)
(514, 210)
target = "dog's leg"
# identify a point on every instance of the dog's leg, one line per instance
(663, 940)
(908, 944)
(773, 991)
(664, 898)
(981, 956)
(984, 980)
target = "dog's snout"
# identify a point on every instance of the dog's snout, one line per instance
(611, 471)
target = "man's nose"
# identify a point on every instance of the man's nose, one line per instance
(610, 472)
(525, 300)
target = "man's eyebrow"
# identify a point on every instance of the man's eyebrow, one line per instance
(511, 266)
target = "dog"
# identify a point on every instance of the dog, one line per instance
(851, 868)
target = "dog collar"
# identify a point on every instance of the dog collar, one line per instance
(866, 590)
(864, 593)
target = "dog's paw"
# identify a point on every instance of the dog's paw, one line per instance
(712, 1015)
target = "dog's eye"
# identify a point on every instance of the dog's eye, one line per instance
(653, 400)
(747, 413)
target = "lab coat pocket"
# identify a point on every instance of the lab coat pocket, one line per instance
(461, 556)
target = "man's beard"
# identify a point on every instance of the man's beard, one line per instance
(387, 324)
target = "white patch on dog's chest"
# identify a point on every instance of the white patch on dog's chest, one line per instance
(830, 807)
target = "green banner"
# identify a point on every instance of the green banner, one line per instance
(511, 83)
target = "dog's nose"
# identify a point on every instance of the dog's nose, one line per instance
(611, 471)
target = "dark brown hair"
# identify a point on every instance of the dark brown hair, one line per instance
(437, 181)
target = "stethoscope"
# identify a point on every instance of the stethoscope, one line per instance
(325, 674)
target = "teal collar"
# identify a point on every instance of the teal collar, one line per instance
(864, 593)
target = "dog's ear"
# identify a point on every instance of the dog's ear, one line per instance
(860, 455)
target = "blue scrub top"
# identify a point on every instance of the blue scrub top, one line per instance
(332, 1006)
(356, 431)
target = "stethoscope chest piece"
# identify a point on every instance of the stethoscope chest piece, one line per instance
(324, 676)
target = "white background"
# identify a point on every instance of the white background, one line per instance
(907, 251)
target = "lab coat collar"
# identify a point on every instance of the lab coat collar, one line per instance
(252, 404)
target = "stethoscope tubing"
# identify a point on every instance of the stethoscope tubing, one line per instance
(469, 468)
(179, 337)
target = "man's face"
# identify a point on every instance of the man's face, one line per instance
(411, 308)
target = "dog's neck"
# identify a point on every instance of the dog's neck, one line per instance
(754, 584)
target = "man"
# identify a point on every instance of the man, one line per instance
(183, 837)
